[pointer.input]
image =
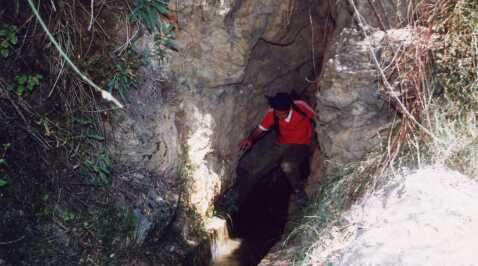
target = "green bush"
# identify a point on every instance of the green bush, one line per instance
(164, 40)
(3, 164)
(98, 169)
(453, 116)
(148, 12)
(456, 57)
(27, 83)
(8, 39)
(123, 79)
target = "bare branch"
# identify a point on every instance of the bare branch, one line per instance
(105, 94)
(384, 77)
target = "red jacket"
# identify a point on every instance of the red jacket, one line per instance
(295, 128)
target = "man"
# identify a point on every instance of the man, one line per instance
(292, 121)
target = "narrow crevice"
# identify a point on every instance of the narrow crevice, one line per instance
(296, 65)
(260, 222)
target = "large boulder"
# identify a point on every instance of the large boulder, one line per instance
(429, 217)
(351, 109)
(352, 104)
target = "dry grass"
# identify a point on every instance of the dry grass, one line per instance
(441, 72)
(325, 209)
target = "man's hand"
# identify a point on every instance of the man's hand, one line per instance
(245, 144)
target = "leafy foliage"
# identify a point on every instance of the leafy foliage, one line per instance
(457, 55)
(44, 196)
(58, 134)
(68, 216)
(452, 116)
(3, 163)
(123, 79)
(164, 40)
(99, 170)
(8, 39)
(27, 83)
(148, 12)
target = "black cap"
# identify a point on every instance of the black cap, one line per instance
(281, 101)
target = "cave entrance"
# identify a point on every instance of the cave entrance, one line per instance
(259, 223)
(291, 59)
(256, 226)
(260, 220)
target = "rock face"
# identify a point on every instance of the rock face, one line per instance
(186, 119)
(154, 207)
(352, 113)
(217, 41)
(231, 53)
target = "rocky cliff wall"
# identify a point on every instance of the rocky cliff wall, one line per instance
(191, 110)
(231, 53)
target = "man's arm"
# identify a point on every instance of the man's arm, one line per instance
(258, 132)
(255, 135)
(305, 107)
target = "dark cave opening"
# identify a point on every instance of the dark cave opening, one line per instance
(261, 220)
(261, 217)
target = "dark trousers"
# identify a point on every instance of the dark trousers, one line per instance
(264, 157)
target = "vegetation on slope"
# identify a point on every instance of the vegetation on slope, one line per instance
(57, 177)
(435, 94)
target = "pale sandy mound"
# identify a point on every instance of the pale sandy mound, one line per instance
(427, 218)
